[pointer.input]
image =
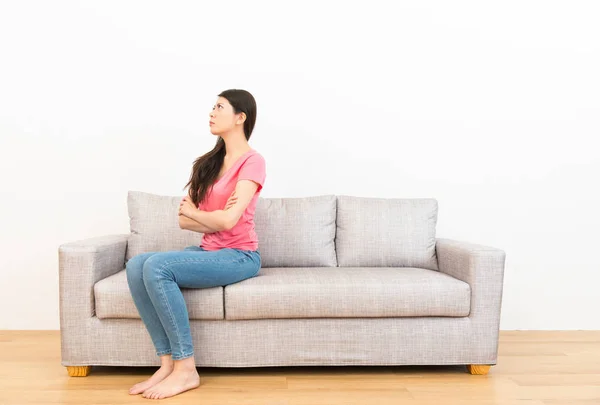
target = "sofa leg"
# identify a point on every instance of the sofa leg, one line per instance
(478, 369)
(78, 371)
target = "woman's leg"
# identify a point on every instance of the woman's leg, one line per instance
(163, 275)
(135, 280)
(150, 319)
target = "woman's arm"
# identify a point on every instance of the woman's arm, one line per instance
(216, 220)
(207, 222)
(190, 224)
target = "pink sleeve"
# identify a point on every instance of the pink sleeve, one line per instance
(254, 168)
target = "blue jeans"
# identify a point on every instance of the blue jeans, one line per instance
(155, 279)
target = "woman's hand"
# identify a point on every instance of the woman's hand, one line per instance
(186, 206)
(231, 201)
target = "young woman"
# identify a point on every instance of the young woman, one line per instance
(223, 191)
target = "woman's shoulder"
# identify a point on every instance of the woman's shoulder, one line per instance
(255, 155)
(254, 152)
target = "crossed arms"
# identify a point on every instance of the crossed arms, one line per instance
(225, 219)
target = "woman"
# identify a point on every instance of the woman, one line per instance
(223, 191)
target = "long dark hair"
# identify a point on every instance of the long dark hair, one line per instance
(207, 167)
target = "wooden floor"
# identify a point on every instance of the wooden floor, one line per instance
(534, 368)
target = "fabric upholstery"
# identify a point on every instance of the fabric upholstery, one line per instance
(386, 232)
(309, 293)
(296, 232)
(291, 231)
(482, 267)
(383, 311)
(113, 300)
(346, 293)
(286, 342)
(154, 224)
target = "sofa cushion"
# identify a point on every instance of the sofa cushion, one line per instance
(386, 232)
(113, 300)
(154, 224)
(291, 231)
(347, 292)
(296, 232)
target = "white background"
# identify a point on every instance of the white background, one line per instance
(491, 108)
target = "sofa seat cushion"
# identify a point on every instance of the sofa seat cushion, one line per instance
(349, 292)
(113, 300)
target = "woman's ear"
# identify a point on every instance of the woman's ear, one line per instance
(242, 118)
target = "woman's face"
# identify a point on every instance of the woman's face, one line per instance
(222, 117)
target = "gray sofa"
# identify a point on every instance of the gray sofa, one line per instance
(344, 280)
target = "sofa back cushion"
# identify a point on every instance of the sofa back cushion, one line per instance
(384, 232)
(292, 232)
(296, 232)
(154, 224)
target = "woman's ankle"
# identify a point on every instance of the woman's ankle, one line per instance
(166, 361)
(185, 364)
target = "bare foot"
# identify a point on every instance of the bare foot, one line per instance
(162, 373)
(178, 381)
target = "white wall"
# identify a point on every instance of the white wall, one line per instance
(490, 108)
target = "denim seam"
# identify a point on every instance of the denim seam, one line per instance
(197, 260)
(183, 356)
(171, 315)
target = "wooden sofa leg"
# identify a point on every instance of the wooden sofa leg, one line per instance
(78, 371)
(478, 369)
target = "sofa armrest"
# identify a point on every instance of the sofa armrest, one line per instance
(482, 267)
(81, 264)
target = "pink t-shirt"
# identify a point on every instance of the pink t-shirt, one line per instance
(250, 166)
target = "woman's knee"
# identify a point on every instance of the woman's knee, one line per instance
(153, 269)
(134, 266)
